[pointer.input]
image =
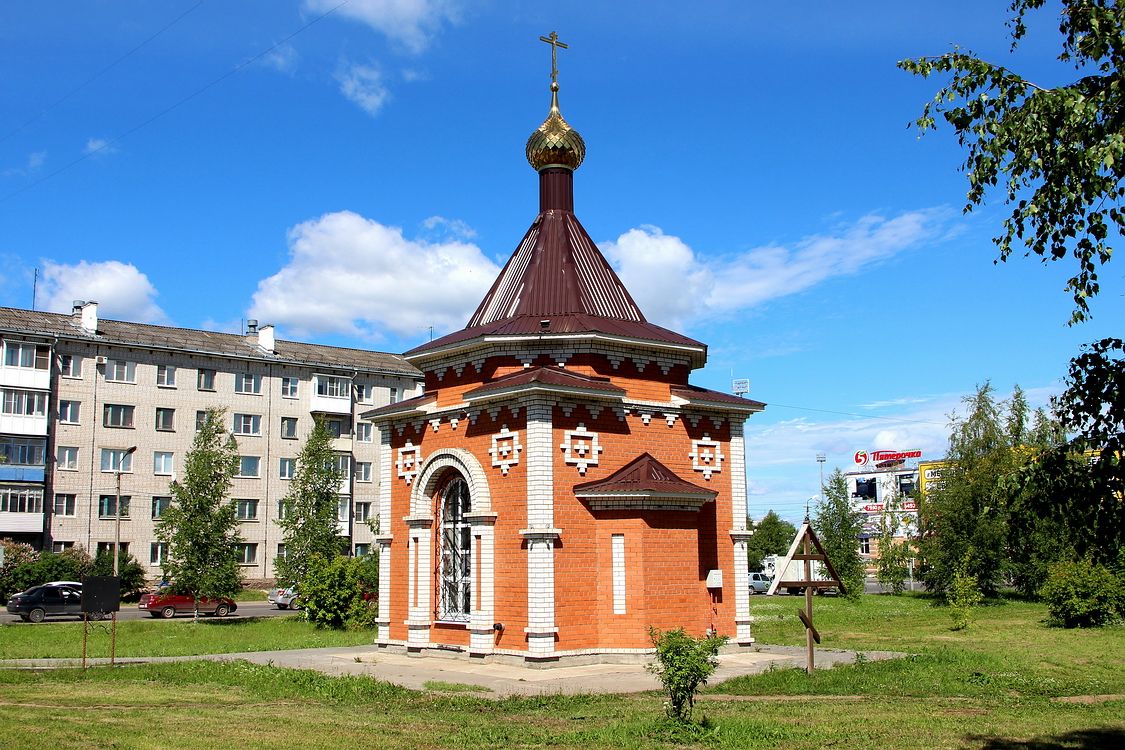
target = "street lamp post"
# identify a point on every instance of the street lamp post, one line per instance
(820, 459)
(117, 510)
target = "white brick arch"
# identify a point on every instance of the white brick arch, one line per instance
(461, 461)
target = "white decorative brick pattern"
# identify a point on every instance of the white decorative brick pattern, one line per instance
(706, 456)
(618, 552)
(505, 450)
(409, 456)
(580, 448)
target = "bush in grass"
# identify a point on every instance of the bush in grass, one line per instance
(16, 555)
(963, 595)
(683, 664)
(339, 592)
(1082, 594)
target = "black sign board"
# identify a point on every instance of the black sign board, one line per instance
(101, 594)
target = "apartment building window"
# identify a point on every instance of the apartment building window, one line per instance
(362, 550)
(393, 397)
(247, 424)
(246, 510)
(58, 547)
(121, 371)
(286, 468)
(245, 382)
(64, 504)
(157, 553)
(362, 512)
(281, 551)
(25, 403)
(364, 393)
(22, 451)
(363, 471)
(249, 466)
(865, 546)
(289, 428)
(335, 427)
(205, 380)
(32, 356)
(363, 432)
(162, 463)
(21, 500)
(107, 506)
(117, 415)
(106, 548)
(343, 464)
(289, 387)
(160, 503)
(200, 419)
(332, 387)
(68, 411)
(166, 376)
(117, 459)
(343, 508)
(66, 458)
(248, 554)
(70, 366)
(284, 509)
(165, 419)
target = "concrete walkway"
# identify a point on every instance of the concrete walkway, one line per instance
(492, 679)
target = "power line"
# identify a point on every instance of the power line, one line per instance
(99, 74)
(113, 141)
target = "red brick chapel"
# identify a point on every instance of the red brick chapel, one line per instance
(560, 487)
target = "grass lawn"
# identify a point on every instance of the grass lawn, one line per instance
(171, 637)
(993, 686)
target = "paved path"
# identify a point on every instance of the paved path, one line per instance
(493, 679)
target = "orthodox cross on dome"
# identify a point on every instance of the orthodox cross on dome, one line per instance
(553, 40)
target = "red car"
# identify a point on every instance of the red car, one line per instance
(167, 605)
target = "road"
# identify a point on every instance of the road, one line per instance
(130, 612)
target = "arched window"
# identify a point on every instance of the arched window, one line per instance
(456, 552)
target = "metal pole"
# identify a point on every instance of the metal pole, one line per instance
(117, 520)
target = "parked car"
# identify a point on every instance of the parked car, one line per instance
(166, 605)
(285, 597)
(759, 583)
(49, 600)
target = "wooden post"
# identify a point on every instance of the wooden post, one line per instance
(808, 609)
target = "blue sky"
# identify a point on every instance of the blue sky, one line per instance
(354, 174)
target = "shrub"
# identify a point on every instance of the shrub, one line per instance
(1082, 594)
(963, 596)
(16, 555)
(132, 575)
(683, 664)
(339, 592)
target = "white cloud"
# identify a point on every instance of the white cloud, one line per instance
(674, 286)
(34, 162)
(449, 227)
(408, 22)
(122, 291)
(98, 146)
(352, 275)
(364, 86)
(282, 58)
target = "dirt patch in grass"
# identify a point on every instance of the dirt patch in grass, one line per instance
(1087, 700)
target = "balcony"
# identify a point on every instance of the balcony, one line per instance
(25, 377)
(20, 424)
(342, 444)
(10, 473)
(331, 394)
(21, 523)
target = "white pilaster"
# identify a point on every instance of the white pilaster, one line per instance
(739, 535)
(540, 533)
(420, 553)
(384, 538)
(482, 636)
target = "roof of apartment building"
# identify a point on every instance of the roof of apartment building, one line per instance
(123, 333)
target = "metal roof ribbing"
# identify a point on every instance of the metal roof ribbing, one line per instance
(556, 270)
(123, 333)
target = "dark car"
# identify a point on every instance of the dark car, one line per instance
(166, 605)
(49, 600)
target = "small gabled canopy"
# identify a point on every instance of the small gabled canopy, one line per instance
(819, 555)
(703, 397)
(644, 483)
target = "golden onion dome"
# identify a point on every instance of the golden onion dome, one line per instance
(555, 143)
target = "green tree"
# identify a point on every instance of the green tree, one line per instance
(772, 536)
(311, 525)
(838, 525)
(1057, 156)
(1057, 153)
(964, 522)
(200, 526)
(894, 553)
